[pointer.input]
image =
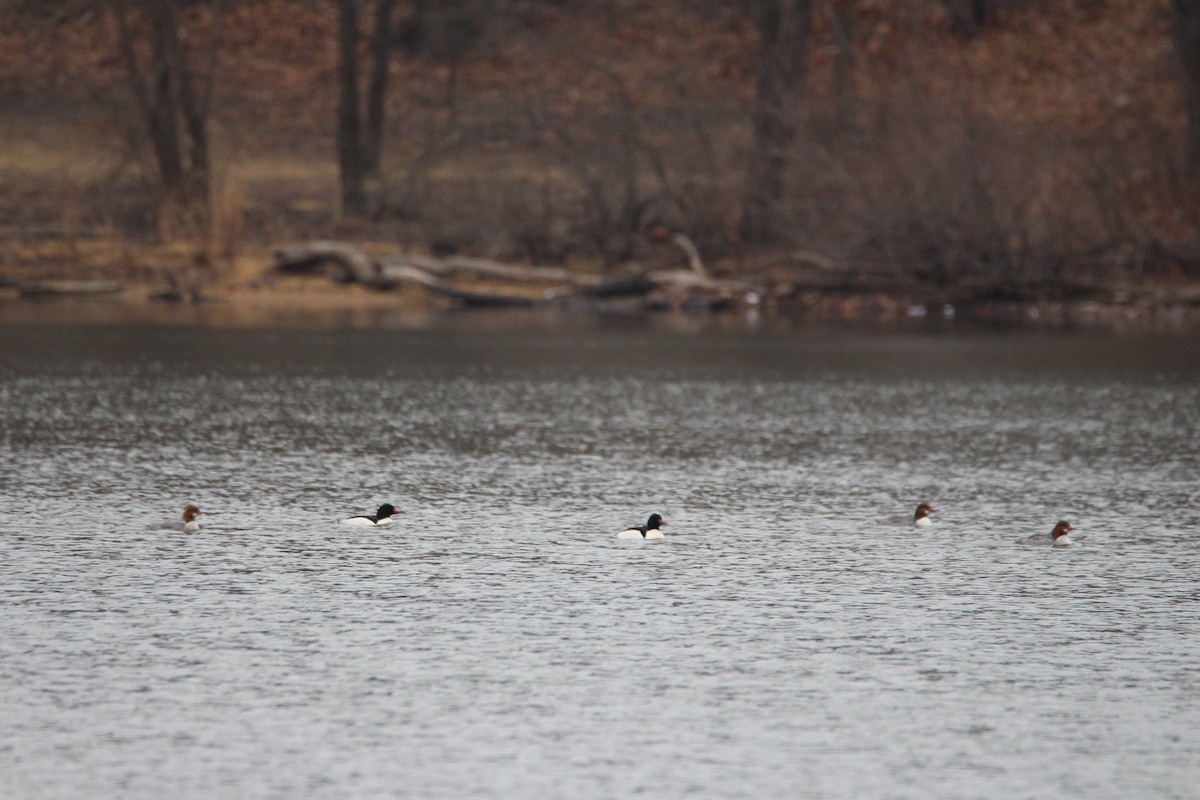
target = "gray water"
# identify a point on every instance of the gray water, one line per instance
(792, 637)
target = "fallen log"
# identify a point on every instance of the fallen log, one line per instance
(305, 259)
(482, 267)
(680, 288)
(693, 254)
(393, 275)
(352, 265)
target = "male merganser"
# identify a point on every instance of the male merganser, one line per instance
(382, 518)
(648, 531)
(188, 524)
(1059, 537)
(921, 518)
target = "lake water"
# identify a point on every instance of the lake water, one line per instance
(792, 637)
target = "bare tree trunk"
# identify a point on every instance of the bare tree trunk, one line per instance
(350, 151)
(783, 28)
(1187, 44)
(194, 119)
(843, 66)
(376, 95)
(360, 135)
(176, 118)
(967, 16)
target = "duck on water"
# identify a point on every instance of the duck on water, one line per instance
(380, 519)
(189, 523)
(921, 517)
(651, 530)
(1059, 537)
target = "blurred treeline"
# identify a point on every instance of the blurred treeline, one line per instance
(1002, 140)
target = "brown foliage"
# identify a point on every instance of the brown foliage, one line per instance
(1050, 141)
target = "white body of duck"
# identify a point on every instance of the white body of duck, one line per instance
(921, 517)
(651, 530)
(381, 519)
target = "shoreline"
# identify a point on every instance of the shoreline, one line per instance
(164, 285)
(319, 304)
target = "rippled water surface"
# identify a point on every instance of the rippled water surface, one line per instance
(792, 637)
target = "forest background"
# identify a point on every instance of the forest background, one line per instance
(1002, 148)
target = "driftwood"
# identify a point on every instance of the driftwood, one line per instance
(355, 265)
(684, 288)
(397, 275)
(351, 265)
(693, 254)
(483, 268)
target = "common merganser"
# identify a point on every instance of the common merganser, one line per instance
(382, 517)
(921, 518)
(1062, 533)
(188, 524)
(648, 531)
(1059, 537)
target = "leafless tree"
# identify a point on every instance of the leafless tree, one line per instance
(445, 31)
(360, 128)
(173, 97)
(843, 63)
(967, 16)
(1187, 43)
(783, 29)
(619, 173)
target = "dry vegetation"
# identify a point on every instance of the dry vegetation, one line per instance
(1042, 157)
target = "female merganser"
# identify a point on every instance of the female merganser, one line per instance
(1059, 537)
(190, 523)
(382, 518)
(648, 531)
(187, 525)
(921, 518)
(1062, 533)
